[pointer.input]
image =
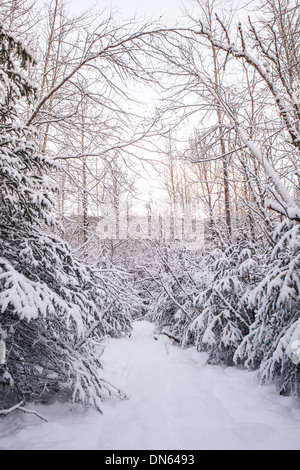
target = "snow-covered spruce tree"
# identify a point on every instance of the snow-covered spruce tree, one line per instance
(272, 344)
(51, 306)
(204, 301)
(222, 300)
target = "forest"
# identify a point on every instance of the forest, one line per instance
(148, 171)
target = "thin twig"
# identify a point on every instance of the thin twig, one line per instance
(19, 406)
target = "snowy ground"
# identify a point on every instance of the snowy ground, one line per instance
(175, 402)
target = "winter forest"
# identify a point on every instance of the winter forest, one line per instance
(149, 172)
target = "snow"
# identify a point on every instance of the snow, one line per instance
(175, 401)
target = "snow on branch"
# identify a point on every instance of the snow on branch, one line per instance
(19, 407)
(291, 208)
(233, 50)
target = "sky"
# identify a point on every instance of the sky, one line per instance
(150, 9)
(170, 10)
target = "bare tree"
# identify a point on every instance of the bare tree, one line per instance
(284, 99)
(234, 87)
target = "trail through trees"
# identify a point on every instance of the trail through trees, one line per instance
(174, 401)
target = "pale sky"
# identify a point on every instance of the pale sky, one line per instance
(170, 10)
(149, 9)
(153, 8)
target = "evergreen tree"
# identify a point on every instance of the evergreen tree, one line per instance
(224, 316)
(52, 308)
(269, 345)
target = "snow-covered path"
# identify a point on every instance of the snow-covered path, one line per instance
(175, 402)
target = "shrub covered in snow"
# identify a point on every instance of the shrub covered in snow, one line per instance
(276, 300)
(54, 311)
(238, 303)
